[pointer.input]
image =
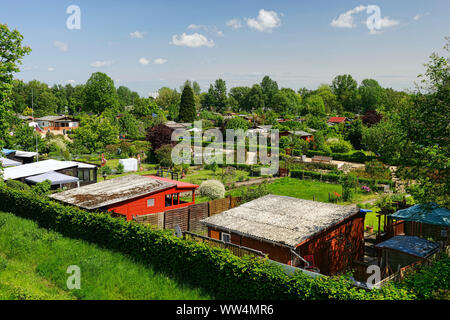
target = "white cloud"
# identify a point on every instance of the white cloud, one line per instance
(51, 69)
(61, 45)
(420, 16)
(71, 82)
(144, 61)
(99, 64)
(210, 29)
(387, 22)
(196, 26)
(195, 40)
(137, 35)
(345, 20)
(160, 61)
(266, 21)
(234, 23)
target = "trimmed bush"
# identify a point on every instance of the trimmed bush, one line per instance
(212, 189)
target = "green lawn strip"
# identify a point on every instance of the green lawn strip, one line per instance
(34, 261)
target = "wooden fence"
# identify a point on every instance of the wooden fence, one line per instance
(235, 249)
(188, 218)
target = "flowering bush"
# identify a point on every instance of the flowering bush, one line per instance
(366, 189)
(212, 189)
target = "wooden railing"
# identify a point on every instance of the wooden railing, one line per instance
(167, 173)
(235, 249)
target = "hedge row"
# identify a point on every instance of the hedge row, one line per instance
(331, 177)
(216, 270)
(355, 156)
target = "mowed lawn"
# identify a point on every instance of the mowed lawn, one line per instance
(296, 188)
(34, 262)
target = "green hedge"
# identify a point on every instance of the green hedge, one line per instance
(355, 156)
(216, 270)
(331, 177)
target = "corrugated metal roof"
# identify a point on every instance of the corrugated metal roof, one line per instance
(55, 178)
(35, 168)
(428, 213)
(112, 191)
(9, 163)
(411, 245)
(281, 219)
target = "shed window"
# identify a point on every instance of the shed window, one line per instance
(226, 237)
(150, 203)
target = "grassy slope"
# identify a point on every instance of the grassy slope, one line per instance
(33, 264)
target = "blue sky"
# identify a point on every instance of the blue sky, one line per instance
(149, 44)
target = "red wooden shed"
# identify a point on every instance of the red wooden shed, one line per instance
(292, 231)
(131, 195)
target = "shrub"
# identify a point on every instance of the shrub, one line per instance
(17, 185)
(340, 146)
(349, 183)
(212, 189)
(252, 193)
(120, 168)
(164, 156)
(106, 170)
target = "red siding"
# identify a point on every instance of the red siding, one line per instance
(138, 206)
(275, 252)
(334, 249)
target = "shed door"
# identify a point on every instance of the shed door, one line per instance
(214, 234)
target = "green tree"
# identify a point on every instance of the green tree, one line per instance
(47, 104)
(168, 97)
(100, 94)
(240, 94)
(11, 53)
(126, 96)
(237, 123)
(329, 99)
(269, 88)
(315, 105)
(355, 133)
(94, 134)
(372, 95)
(25, 138)
(130, 126)
(187, 106)
(345, 89)
(255, 99)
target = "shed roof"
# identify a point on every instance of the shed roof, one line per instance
(301, 133)
(411, 245)
(55, 178)
(7, 151)
(6, 163)
(112, 191)
(286, 220)
(179, 184)
(35, 168)
(50, 118)
(337, 119)
(429, 214)
(25, 154)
